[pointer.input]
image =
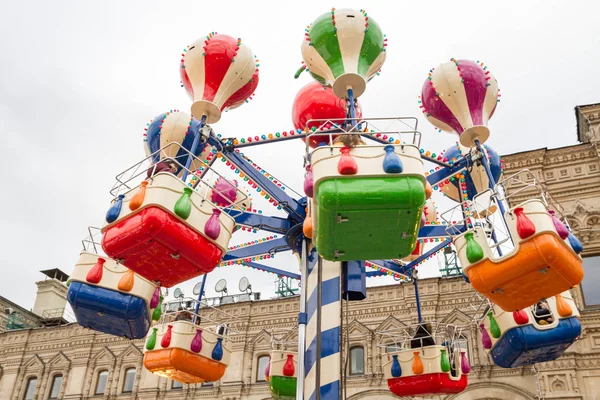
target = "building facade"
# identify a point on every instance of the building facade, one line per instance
(71, 362)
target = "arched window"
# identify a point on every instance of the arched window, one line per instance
(101, 382)
(129, 380)
(55, 388)
(177, 385)
(30, 388)
(261, 365)
(357, 360)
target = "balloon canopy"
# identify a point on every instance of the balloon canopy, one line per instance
(477, 173)
(219, 72)
(345, 49)
(461, 96)
(178, 127)
(315, 101)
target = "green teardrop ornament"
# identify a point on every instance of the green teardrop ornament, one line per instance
(474, 250)
(151, 342)
(183, 207)
(157, 311)
(444, 362)
(494, 328)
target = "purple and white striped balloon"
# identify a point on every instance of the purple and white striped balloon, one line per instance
(461, 96)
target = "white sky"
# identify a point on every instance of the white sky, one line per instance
(81, 79)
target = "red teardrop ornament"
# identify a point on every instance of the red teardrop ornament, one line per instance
(94, 275)
(166, 339)
(520, 317)
(525, 227)
(347, 165)
(288, 367)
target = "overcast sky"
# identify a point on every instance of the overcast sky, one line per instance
(79, 80)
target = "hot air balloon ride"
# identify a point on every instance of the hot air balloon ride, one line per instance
(542, 263)
(162, 218)
(107, 297)
(344, 49)
(539, 333)
(317, 102)
(360, 193)
(461, 96)
(185, 352)
(283, 371)
(218, 72)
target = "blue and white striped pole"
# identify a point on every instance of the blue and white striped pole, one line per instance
(322, 355)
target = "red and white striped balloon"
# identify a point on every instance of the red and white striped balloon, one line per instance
(461, 96)
(219, 72)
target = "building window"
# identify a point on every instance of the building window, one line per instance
(101, 382)
(30, 388)
(129, 380)
(262, 363)
(357, 360)
(177, 385)
(591, 281)
(55, 388)
(392, 348)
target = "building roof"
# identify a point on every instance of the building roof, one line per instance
(56, 273)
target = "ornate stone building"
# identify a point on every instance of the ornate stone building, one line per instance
(70, 362)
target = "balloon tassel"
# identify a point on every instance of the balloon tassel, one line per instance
(444, 362)
(138, 198)
(474, 250)
(183, 207)
(486, 341)
(126, 282)
(155, 298)
(166, 339)
(396, 370)
(268, 370)
(288, 367)
(564, 309)
(494, 328)
(212, 228)
(217, 353)
(465, 367)
(575, 243)
(307, 227)
(392, 164)
(113, 212)
(94, 275)
(561, 229)
(308, 182)
(417, 366)
(151, 342)
(525, 227)
(157, 311)
(347, 165)
(520, 317)
(196, 345)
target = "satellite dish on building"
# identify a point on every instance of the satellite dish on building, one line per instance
(196, 289)
(178, 293)
(221, 286)
(244, 285)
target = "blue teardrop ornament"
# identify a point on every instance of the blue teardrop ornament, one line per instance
(113, 212)
(396, 370)
(217, 353)
(575, 243)
(392, 163)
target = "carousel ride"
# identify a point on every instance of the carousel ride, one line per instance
(368, 211)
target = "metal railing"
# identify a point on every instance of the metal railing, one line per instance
(394, 128)
(201, 180)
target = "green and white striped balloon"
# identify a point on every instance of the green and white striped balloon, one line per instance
(345, 49)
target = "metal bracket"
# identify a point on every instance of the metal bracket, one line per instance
(341, 219)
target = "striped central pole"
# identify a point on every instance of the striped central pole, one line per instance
(322, 355)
